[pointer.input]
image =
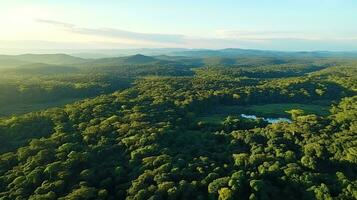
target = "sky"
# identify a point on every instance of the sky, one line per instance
(289, 25)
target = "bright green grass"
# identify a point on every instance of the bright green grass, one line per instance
(279, 110)
(17, 109)
(272, 110)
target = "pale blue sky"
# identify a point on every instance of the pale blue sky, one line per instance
(258, 24)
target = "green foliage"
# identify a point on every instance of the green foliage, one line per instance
(150, 141)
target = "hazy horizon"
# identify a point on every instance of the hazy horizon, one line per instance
(144, 51)
(325, 25)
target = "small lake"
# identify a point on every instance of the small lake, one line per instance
(269, 119)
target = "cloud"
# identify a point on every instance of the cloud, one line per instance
(117, 33)
(108, 32)
(258, 35)
(252, 39)
(55, 23)
(158, 39)
(266, 35)
(48, 44)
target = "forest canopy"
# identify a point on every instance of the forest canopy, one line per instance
(167, 129)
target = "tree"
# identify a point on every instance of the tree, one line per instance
(295, 113)
(225, 194)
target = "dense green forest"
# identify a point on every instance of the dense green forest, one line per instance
(173, 127)
(32, 82)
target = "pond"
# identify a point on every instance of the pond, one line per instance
(269, 119)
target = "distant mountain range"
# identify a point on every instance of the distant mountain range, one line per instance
(103, 53)
(231, 52)
(51, 59)
(173, 57)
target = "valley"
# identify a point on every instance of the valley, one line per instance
(143, 127)
(178, 100)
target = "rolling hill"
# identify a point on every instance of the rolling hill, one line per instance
(52, 59)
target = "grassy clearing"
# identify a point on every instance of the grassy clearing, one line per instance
(218, 114)
(279, 110)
